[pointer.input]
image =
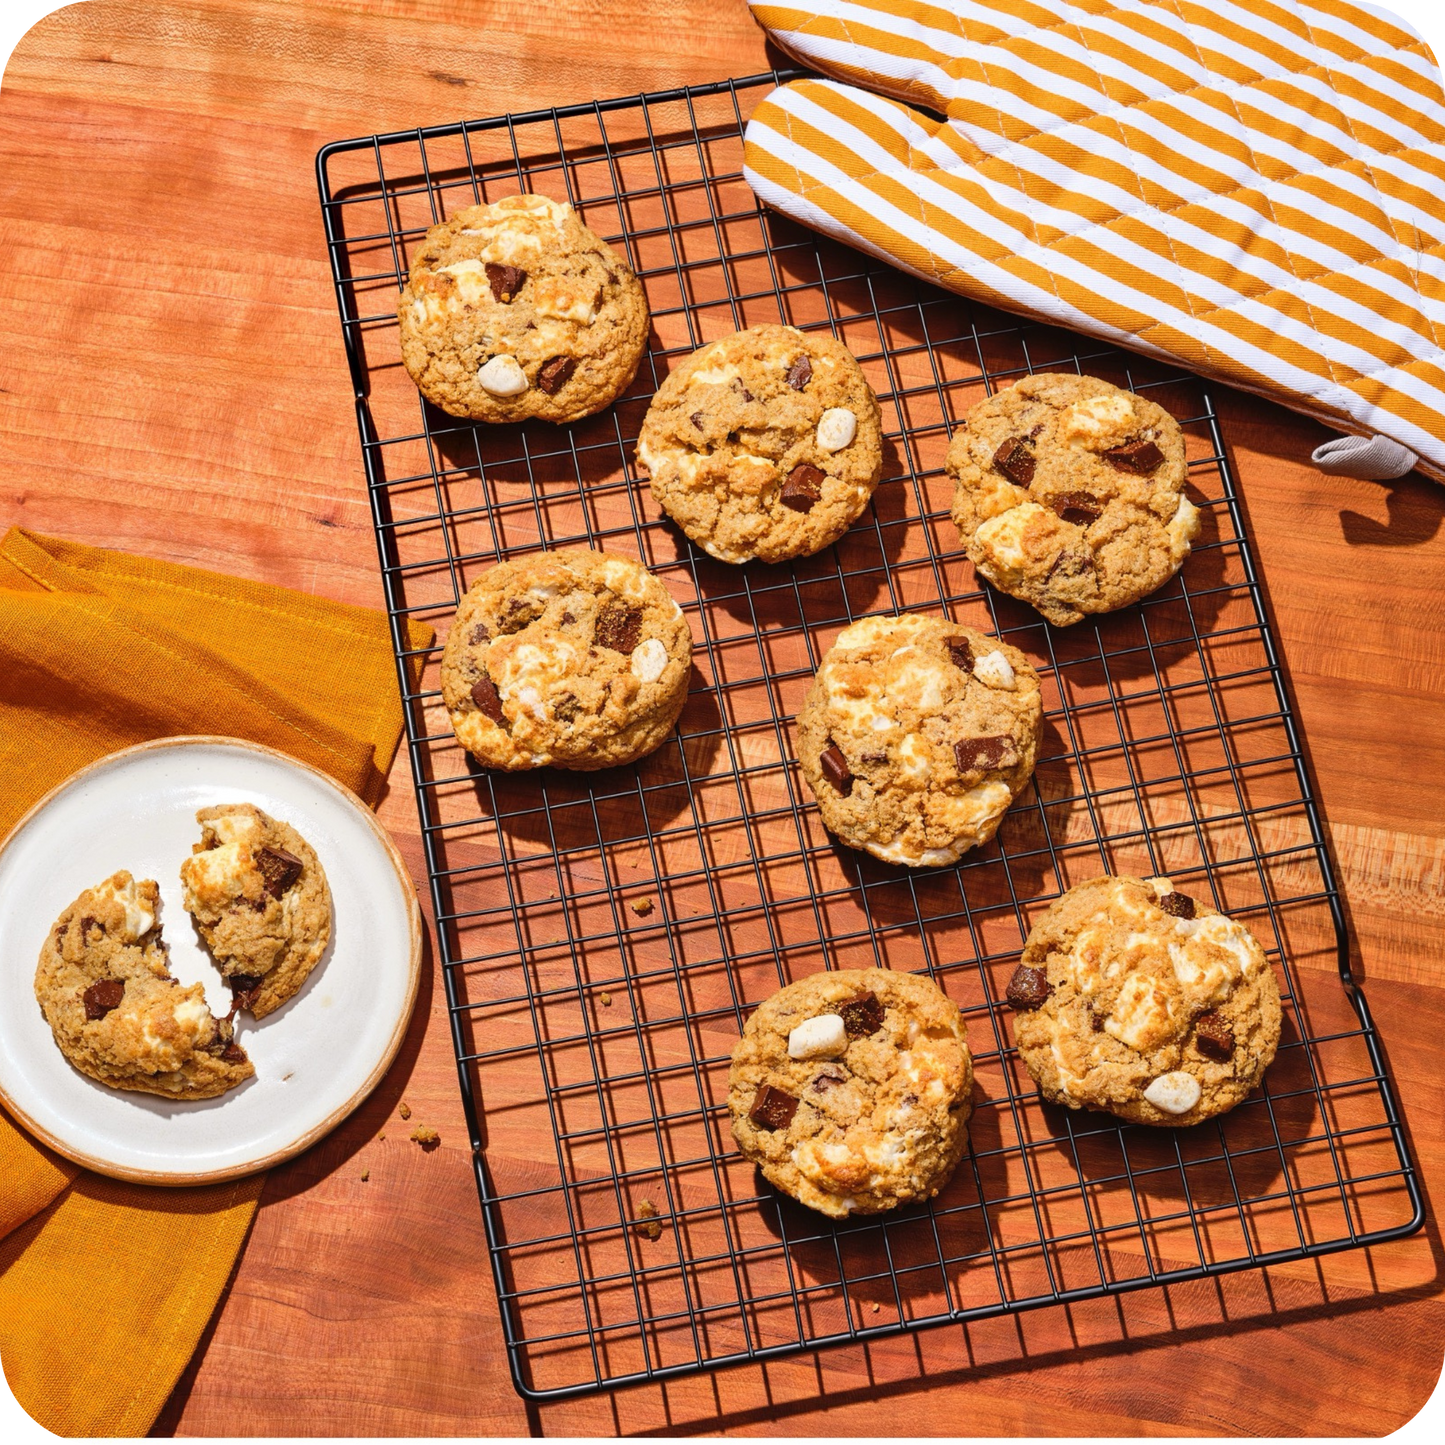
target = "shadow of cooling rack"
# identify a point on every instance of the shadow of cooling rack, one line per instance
(604, 935)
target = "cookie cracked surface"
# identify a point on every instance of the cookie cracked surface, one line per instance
(1069, 494)
(916, 735)
(766, 444)
(1141, 1001)
(259, 898)
(570, 659)
(104, 985)
(515, 310)
(851, 1090)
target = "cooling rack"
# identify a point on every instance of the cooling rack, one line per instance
(603, 936)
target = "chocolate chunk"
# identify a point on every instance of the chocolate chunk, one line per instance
(1081, 508)
(279, 869)
(877, 759)
(520, 612)
(803, 487)
(697, 419)
(862, 1014)
(619, 626)
(567, 619)
(555, 374)
(747, 395)
(1015, 461)
(87, 923)
(566, 708)
(233, 1053)
(773, 1108)
(960, 653)
(800, 373)
(101, 997)
(505, 281)
(487, 699)
(1180, 905)
(1027, 989)
(823, 1082)
(1214, 1036)
(244, 988)
(1070, 564)
(990, 752)
(835, 769)
(481, 633)
(1138, 456)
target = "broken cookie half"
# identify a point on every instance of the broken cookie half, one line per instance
(259, 898)
(104, 984)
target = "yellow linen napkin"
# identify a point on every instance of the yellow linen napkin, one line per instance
(105, 1287)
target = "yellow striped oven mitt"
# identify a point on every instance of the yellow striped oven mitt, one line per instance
(1247, 188)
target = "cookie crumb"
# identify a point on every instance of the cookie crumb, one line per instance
(605, 999)
(642, 906)
(647, 1220)
(426, 1136)
(404, 1109)
(380, 1137)
(874, 1307)
(365, 1175)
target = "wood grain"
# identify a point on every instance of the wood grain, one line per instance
(172, 382)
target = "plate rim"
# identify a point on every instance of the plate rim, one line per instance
(388, 1055)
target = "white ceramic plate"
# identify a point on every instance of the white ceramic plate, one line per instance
(317, 1057)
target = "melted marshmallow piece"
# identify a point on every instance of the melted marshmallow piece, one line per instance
(649, 660)
(1183, 528)
(823, 1037)
(1012, 539)
(502, 376)
(994, 670)
(1175, 1093)
(525, 671)
(139, 920)
(836, 428)
(565, 299)
(214, 876)
(1097, 419)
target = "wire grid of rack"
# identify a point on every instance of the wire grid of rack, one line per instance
(603, 936)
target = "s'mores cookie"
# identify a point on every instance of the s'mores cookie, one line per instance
(851, 1090)
(515, 310)
(1139, 1000)
(916, 735)
(1069, 494)
(104, 985)
(569, 659)
(766, 444)
(259, 898)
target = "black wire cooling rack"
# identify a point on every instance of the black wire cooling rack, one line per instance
(603, 936)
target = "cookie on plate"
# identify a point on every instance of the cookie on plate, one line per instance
(850, 1090)
(258, 895)
(765, 444)
(517, 310)
(1139, 1000)
(916, 735)
(569, 659)
(104, 984)
(1069, 494)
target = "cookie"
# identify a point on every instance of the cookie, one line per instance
(104, 985)
(766, 444)
(569, 659)
(517, 310)
(1144, 1002)
(850, 1090)
(1069, 494)
(916, 735)
(257, 893)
